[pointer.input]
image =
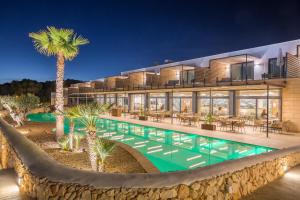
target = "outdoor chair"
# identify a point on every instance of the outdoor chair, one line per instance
(224, 124)
(240, 125)
(183, 119)
(161, 117)
(258, 124)
(277, 126)
(195, 120)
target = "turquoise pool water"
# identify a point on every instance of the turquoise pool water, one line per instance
(168, 150)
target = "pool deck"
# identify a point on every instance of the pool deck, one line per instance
(275, 140)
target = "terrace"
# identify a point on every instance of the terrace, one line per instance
(249, 134)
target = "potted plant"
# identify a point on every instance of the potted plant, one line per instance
(208, 125)
(142, 115)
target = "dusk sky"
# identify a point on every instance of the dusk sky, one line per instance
(131, 34)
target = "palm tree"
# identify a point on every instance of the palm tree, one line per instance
(64, 44)
(103, 149)
(89, 116)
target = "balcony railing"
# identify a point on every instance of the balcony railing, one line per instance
(193, 84)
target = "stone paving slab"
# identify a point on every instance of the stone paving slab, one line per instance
(285, 188)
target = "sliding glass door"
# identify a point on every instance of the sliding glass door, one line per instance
(253, 103)
(182, 102)
(242, 71)
(216, 102)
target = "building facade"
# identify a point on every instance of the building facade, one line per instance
(241, 83)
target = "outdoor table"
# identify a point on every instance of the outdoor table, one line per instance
(190, 118)
(155, 116)
(233, 122)
(135, 114)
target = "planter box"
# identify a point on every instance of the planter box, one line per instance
(116, 112)
(144, 118)
(210, 127)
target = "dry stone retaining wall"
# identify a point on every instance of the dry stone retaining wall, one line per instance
(43, 178)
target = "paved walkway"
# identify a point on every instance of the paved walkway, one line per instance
(285, 188)
(9, 189)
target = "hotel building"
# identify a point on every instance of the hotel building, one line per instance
(238, 83)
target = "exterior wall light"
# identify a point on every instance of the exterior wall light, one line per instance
(228, 187)
(284, 165)
(20, 180)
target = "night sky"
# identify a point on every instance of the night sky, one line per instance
(131, 34)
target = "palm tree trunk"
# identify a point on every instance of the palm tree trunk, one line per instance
(101, 166)
(71, 134)
(92, 154)
(59, 96)
(77, 143)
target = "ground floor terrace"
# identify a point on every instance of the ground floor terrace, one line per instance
(255, 105)
(248, 135)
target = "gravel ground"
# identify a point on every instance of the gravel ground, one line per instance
(41, 133)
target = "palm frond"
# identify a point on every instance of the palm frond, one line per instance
(42, 43)
(103, 148)
(54, 41)
(72, 112)
(79, 40)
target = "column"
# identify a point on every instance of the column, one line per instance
(232, 103)
(167, 100)
(146, 103)
(194, 102)
(129, 102)
(104, 98)
(116, 99)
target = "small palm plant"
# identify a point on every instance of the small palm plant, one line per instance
(77, 138)
(103, 149)
(72, 113)
(209, 118)
(64, 143)
(89, 119)
(63, 44)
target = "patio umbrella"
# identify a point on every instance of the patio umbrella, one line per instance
(280, 61)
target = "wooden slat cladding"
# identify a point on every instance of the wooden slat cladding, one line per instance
(293, 66)
(136, 78)
(72, 90)
(166, 75)
(85, 89)
(122, 83)
(97, 84)
(152, 79)
(201, 73)
(217, 70)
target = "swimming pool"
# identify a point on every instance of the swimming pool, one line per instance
(168, 150)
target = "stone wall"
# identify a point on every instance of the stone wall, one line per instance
(43, 178)
(290, 103)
